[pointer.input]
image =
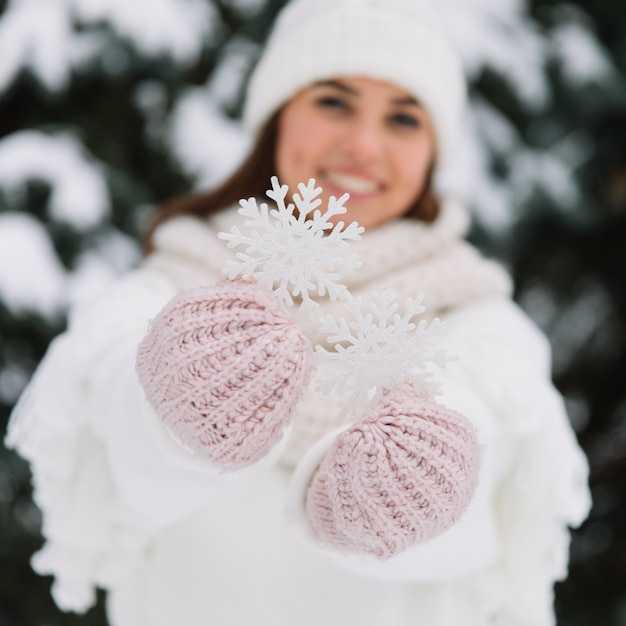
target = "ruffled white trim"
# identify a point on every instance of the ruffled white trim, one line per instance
(91, 539)
(546, 493)
(48, 429)
(544, 490)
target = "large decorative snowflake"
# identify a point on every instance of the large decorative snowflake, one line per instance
(294, 250)
(380, 349)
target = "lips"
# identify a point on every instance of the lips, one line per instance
(352, 183)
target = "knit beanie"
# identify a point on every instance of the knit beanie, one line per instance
(396, 41)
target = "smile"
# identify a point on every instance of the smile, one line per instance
(352, 184)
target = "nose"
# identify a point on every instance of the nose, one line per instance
(364, 140)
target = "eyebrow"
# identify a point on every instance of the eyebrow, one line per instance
(341, 86)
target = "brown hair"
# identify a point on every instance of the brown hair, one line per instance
(251, 180)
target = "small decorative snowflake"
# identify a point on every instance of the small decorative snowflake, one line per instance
(294, 253)
(381, 349)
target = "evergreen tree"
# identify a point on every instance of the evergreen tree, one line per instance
(108, 108)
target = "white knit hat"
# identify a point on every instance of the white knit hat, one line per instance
(398, 41)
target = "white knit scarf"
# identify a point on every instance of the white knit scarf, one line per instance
(404, 256)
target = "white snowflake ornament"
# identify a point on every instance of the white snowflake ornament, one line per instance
(294, 253)
(381, 349)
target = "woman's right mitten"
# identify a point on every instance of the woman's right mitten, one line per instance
(224, 367)
(402, 475)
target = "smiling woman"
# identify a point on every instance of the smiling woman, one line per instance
(186, 461)
(360, 136)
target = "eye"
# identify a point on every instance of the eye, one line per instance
(333, 103)
(405, 120)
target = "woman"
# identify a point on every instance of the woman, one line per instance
(364, 96)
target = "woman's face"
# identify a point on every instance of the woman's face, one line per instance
(365, 137)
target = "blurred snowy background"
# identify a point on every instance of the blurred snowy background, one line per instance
(108, 107)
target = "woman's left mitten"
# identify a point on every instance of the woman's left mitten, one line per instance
(404, 474)
(224, 367)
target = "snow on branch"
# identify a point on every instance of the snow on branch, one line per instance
(79, 191)
(294, 249)
(380, 349)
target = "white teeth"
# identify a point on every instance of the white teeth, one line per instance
(354, 184)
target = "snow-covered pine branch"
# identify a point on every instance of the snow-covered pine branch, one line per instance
(294, 249)
(380, 349)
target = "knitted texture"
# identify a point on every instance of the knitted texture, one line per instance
(398, 41)
(400, 255)
(224, 367)
(404, 474)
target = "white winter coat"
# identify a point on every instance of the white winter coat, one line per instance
(176, 542)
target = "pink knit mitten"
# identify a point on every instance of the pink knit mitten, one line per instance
(224, 367)
(402, 475)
